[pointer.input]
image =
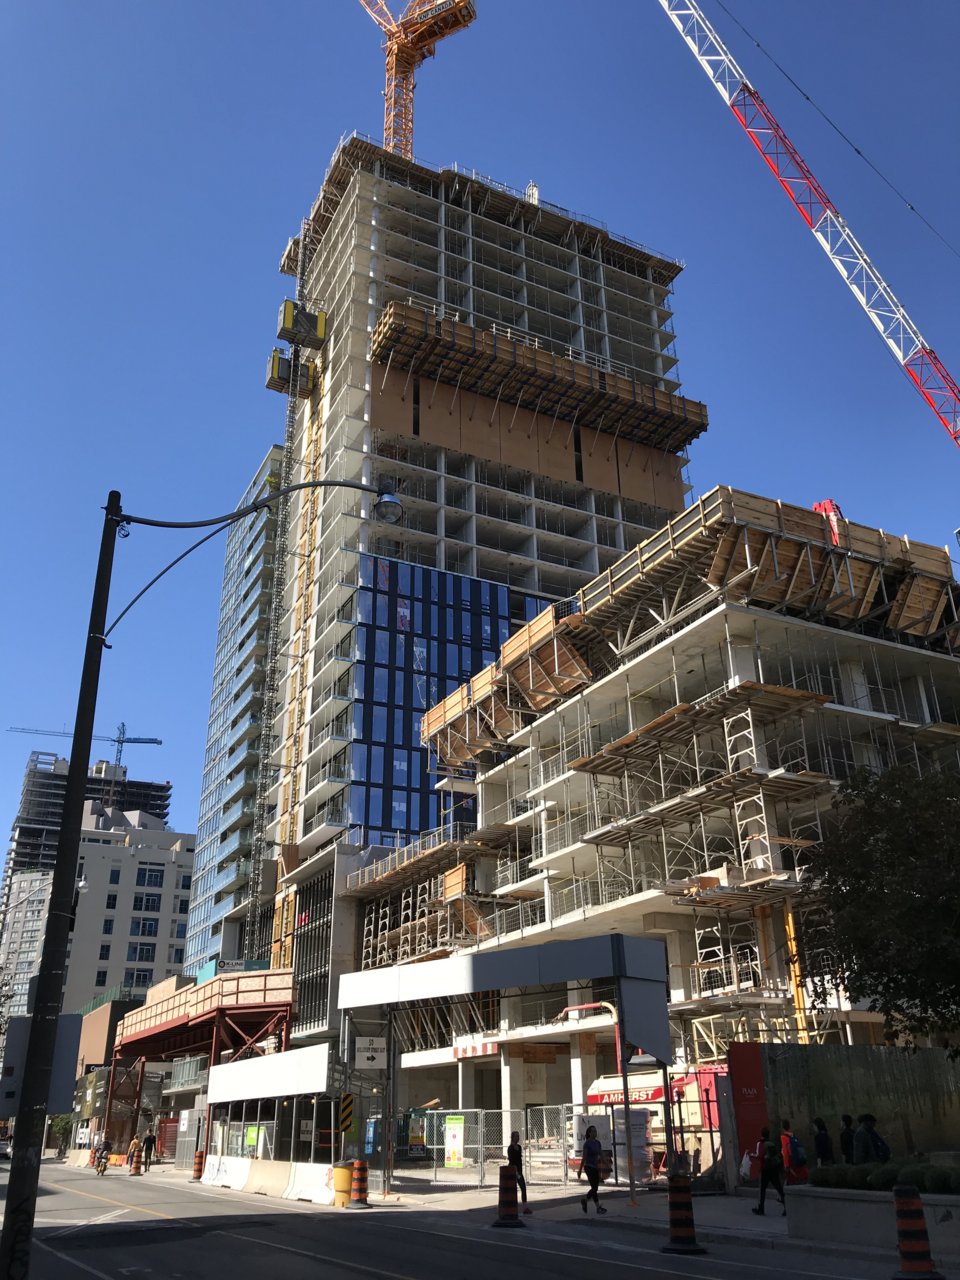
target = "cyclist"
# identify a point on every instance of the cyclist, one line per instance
(102, 1155)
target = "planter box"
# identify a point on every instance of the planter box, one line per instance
(868, 1218)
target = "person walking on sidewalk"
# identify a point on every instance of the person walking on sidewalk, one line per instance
(590, 1165)
(822, 1143)
(515, 1160)
(771, 1169)
(149, 1147)
(846, 1139)
(135, 1146)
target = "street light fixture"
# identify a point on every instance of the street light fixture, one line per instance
(21, 1199)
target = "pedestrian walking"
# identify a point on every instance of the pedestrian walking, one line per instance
(868, 1146)
(149, 1147)
(515, 1160)
(846, 1139)
(135, 1146)
(822, 1143)
(794, 1156)
(771, 1169)
(590, 1165)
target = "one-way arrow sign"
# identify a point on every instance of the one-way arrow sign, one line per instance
(370, 1053)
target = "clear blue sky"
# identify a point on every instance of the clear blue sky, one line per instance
(157, 156)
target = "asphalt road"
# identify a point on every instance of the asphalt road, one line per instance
(159, 1226)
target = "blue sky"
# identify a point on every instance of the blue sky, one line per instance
(157, 157)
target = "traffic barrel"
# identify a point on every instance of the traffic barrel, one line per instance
(913, 1243)
(135, 1162)
(198, 1163)
(358, 1187)
(683, 1238)
(507, 1213)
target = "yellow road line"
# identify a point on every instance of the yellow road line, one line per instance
(124, 1204)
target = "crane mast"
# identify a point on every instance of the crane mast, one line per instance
(921, 363)
(411, 38)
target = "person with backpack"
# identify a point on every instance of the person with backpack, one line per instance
(771, 1169)
(868, 1146)
(794, 1156)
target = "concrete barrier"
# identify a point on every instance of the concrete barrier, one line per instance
(227, 1171)
(868, 1218)
(79, 1159)
(268, 1177)
(313, 1182)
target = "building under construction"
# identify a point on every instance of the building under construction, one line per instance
(509, 367)
(656, 754)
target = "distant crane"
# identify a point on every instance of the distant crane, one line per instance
(120, 738)
(920, 362)
(411, 39)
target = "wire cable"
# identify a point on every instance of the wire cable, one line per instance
(836, 128)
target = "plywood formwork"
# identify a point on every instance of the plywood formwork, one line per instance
(508, 369)
(727, 544)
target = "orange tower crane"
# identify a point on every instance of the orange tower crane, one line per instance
(411, 38)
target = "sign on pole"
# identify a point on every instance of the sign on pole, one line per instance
(370, 1053)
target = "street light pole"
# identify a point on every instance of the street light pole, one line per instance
(21, 1201)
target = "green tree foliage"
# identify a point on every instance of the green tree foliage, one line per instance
(61, 1128)
(889, 875)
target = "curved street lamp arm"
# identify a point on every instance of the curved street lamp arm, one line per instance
(252, 508)
(153, 581)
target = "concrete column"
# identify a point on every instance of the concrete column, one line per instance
(466, 1083)
(583, 1065)
(681, 957)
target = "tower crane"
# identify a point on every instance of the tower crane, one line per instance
(119, 738)
(411, 39)
(920, 361)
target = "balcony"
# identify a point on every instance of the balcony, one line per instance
(242, 783)
(238, 842)
(232, 877)
(245, 729)
(238, 815)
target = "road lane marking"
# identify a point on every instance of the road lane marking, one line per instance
(322, 1257)
(90, 1222)
(124, 1204)
(694, 1275)
(74, 1262)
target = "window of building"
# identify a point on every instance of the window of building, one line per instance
(182, 930)
(150, 876)
(141, 951)
(104, 950)
(186, 879)
(137, 977)
(144, 927)
(101, 978)
(146, 901)
(175, 955)
(107, 926)
(183, 906)
(114, 875)
(111, 902)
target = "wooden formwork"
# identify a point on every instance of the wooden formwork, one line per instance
(506, 367)
(776, 553)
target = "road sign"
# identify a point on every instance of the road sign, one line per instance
(370, 1053)
(346, 1112)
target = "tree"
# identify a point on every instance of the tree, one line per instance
(889, 878)
(61, 1127)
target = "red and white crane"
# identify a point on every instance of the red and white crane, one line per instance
(921, 363)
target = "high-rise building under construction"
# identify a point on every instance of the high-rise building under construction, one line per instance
(509, 367)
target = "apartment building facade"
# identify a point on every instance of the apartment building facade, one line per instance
(509, 367)
(233, 750)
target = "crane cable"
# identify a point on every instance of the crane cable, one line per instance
(836, 128)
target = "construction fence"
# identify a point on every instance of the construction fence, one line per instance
(465, 1148)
